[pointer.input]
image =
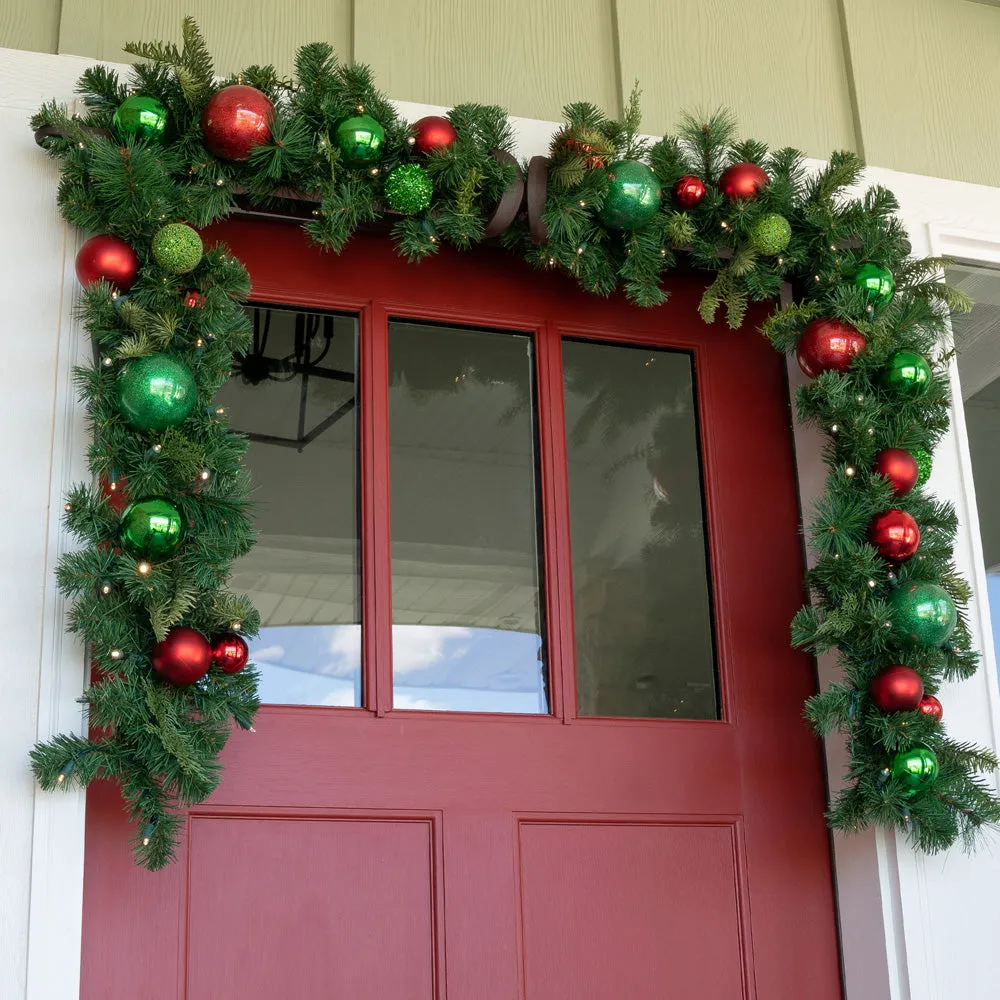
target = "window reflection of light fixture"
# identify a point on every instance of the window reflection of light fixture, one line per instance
(312, 342)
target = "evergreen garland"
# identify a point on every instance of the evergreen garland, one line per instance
(161, 743)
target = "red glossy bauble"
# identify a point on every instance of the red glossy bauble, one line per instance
(229, 652)
(110, 258)
(115, 492)
(895, 534)
(742, 181)
(433, 132)
(896, 689)
(236, 119)
(194, 299)
(899, 467)
(929, 705)
(828, 344)
(183, 657)
(689, 191)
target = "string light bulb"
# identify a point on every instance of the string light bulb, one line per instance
(106, 588)
(205, 475)
(850, 471)
(834, 428)
(116, 654)
(144, 568)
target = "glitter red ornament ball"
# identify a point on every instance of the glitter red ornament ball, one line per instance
(183, 657)
(929, 705)
(895, 534)
(236, 119)
(229, 652)
(899, 467)
(110, 258)
(828, 344)
(896, 689)
(433, 132)
(743, 181)
(689, 191)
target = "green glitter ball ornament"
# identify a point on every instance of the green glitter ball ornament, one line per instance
(140, 117)
(151, 529)
(408, 189)
(633, 197)
(924, 463)
(360, 140)
(177, 248)
(771, 234)
(877, 284)
(156, 392)
(923, 613)
(907, 372)
(916, 769)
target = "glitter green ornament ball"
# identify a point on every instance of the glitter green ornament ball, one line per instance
(770, 234)
(408, 189)
(177, 248)
(140, 117)
(923, 613)
(907, 372)
(916, 769)
(877, 284)
(924, 463)
(633, 197)
(151, 529)
(360, 140)
(156, 392)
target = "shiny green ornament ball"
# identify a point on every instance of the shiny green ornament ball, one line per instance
(633, 197)
(923, 613)
(916, 769)
(360, 140)
(924, 464)
(907, 372)
(177, 248)
(140, 117)
(408, 189)
(151, 529)
(156, 392)
(771, 234)
(877, 284)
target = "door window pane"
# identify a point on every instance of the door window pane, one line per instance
(295, 394)
(466, 590)
(641, 599)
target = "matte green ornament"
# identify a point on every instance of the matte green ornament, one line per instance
(156, 392)
(916, 769)
(408, 189)
(633, 197)
(924, 464)
(906, 371)
(923, 613)
(177, 248)
(151, 529)
(877, 283)
(771, 234)
(140, 117)
(360, 140)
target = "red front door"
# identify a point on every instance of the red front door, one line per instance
(548, 738)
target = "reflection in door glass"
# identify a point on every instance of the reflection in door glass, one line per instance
(466, 592)
(641, 599)
(295, 394)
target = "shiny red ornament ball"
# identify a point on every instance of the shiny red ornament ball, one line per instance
(899, 467)
(229, 652)
(194, 299)
(896, 689)
(689, 191)
(929, 705)
(895, 534)
(115, 491)
(433, 132)
(742, 181)
(828, 344)
(236, 119)
(110, 258)
(183, 657)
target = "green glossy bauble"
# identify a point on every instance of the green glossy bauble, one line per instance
(877, 284)
(771, 234)
(633, 197)
(923, 613)
(408, 189)
(177, 248)
(151, 529)
(156, 392)
(140, 117)
(907, 372)
(916, 769)
(360, 140)
(924, 464)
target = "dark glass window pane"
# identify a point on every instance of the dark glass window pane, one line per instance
(640, 574)
(466, 591)
(296, 395)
